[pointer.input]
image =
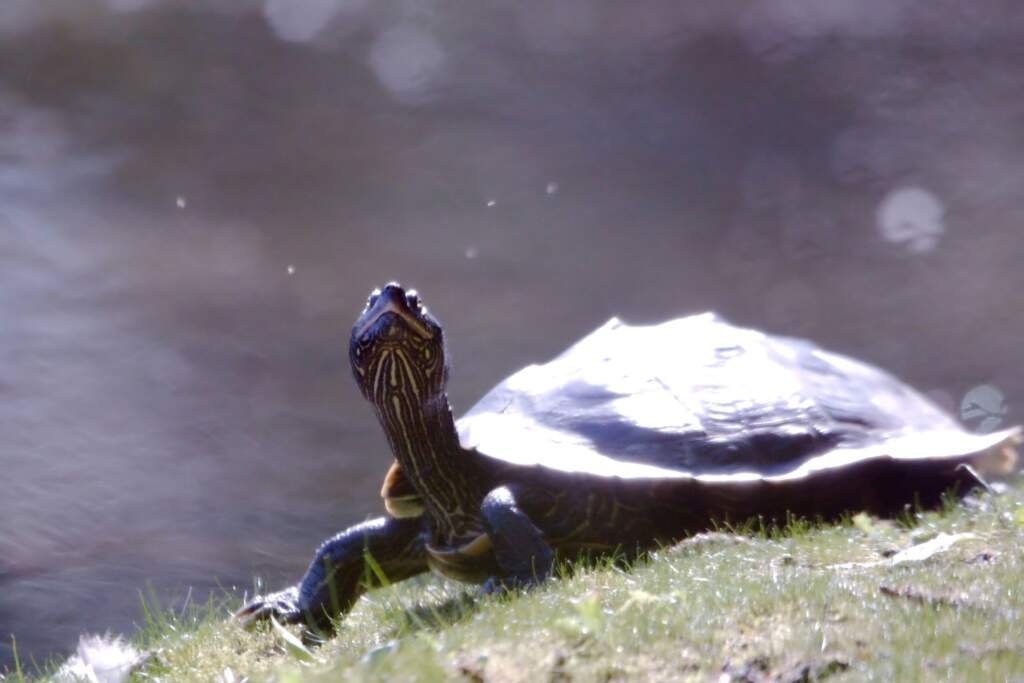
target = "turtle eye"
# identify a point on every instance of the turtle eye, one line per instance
(412, 298)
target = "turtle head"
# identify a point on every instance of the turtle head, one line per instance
(397, 349)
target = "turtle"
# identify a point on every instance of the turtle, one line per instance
(633, 438)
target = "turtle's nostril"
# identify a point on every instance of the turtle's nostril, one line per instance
(393, 292)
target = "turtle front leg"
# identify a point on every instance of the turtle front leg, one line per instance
(523, 555)
(339, 573)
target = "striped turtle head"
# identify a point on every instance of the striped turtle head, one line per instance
(397, 349)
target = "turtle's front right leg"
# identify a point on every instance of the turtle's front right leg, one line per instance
(339, 573)
(523, 555)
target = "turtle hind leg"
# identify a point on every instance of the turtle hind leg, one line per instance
(1002, 458)
(522, 554)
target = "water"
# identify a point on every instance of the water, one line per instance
(194, 205)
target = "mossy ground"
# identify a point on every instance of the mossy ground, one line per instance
(806, 603)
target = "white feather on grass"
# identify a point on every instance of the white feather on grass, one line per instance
(100, 659)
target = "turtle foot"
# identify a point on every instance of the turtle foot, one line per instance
(282, 606)
(502, 585)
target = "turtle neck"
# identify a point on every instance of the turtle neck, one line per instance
(425, 443)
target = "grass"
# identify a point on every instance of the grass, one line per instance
(805, 603)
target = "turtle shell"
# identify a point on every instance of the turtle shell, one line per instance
(700, 398)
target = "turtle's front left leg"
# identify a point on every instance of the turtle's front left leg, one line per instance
(339, 573)
(524, 556)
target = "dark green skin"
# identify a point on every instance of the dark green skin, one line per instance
(531, 515)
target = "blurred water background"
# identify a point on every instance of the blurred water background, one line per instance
(196, 197)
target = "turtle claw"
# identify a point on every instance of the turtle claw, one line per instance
(282, 606)
(504, 585)
(492, 586)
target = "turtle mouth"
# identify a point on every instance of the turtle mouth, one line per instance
(391, 304)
